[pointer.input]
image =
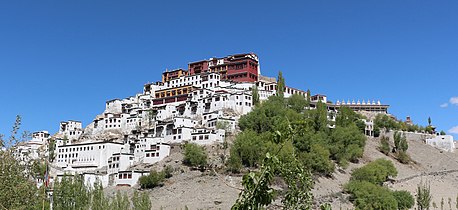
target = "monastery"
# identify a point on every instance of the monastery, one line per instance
(198, 105)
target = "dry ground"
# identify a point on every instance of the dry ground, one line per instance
(208, 190)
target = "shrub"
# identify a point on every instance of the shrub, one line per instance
(405, 199)
(403, 157)
(384, 146)
(347, 144)
(423, 196)
(249, 148)
(375, 172)
(195, 155)
(168, 170)
(234, 164)
(154, 179)
(366, 195)
(318, 160)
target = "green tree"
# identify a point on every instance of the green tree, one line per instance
(308, 98)
(141, 202)
(429, 121)
(194, 155)
(17, 189)
(71, 193)
(255, 95)
(376, 172)
(384, 146)
(383, 121)
(120, 202)
(297, 103)
(258, 192)
(442, 133)
(423, 196)
(51, 148)
(366, 195)
(400, 142)
(405, 199)
(98, 199)
(154, 179)
(280, 84)
(346, 116)
(247, 147)
(347, 144)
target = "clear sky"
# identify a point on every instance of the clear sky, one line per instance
(62, 60)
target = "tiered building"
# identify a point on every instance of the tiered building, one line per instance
(198, 105)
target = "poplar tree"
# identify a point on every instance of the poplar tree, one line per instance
(280, 84)
(141, 202)
(255, 95)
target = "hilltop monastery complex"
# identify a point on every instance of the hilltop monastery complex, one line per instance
(197, 105)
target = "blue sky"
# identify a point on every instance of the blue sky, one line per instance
(62, 60)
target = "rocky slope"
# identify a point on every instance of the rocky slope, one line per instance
(212, 190)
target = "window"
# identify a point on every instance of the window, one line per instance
(147, 154)
(120, 176)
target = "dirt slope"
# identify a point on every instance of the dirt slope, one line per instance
(431, 165)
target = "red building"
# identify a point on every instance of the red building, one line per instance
(239, 67)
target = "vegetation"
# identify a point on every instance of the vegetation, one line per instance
(314, 144)
(386, 123)
(195, 155)
(16, 185)
(155, 179)
(405, 199)
(384, 145)
(258, 192)
(141, 202)
(375, 172)
(280, 84)
(255, 95)
(70, 193)
(367, 190)
(424, 196)
(296, 140)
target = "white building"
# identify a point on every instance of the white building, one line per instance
(71, 129)
(443, 142)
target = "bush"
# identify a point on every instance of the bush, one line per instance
(403, 157)
(384, 145)
(234, 164)
(249, 148)
(405, 199)
(318, 160)
(375, 172)
(168, 170)
(195, 155)
(347, 144)
(154, 179)
(366, 195)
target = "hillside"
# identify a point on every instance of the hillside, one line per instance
(437, 167)
(210, 190)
